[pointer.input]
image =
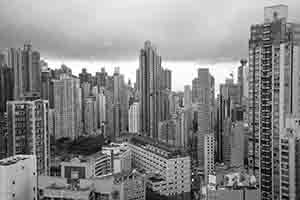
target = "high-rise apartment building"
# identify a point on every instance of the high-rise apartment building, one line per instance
(166, 79)
(150, 85)
(3, 135)
(15, 62)
(187, 99)
(229, 98)
(290, 160)
(101, 78)
(242, 79)
(134, 117)
(109, 112)
(102, 110)
(273, 92)
(6, 86)
(28, 131)
(31, 70)
(27, 72)
(234, 142)
(85, 77)
(90, 115)
(68, 107)
(120, 104)
(45, 84)
(18, 178)
(209, 156)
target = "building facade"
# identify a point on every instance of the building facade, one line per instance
(68, 107)
(173, 167)
(134, 117)
(18, 177)
(28, 131)
(273, 92)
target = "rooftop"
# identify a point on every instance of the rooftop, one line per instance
(13, 160)
(165, 150)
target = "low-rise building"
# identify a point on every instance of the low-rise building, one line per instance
(172, 165)
(18, 177)
(66, 189)
(121, 156)
(129, 185)
(97, 164)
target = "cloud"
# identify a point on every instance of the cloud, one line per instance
(197, 30)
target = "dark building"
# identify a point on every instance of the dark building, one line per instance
(45, 84)
(3, 135)
(85, 77)
(31, 70)
(101, 78)
(6, 86)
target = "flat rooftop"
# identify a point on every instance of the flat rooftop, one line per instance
(13, 160)
(165, 150)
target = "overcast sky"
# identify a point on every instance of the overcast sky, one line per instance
(94, 33)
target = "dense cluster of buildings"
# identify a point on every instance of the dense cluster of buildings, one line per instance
(242, 143)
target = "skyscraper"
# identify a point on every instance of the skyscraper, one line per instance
(6, 86)
(166, 78)
(101, 78)
(85, 77)
(134, 117)
(90, 115)
(150, 68)
(102, 110)
(203, 92)
(31, 70)
(229, 98)
(45, 84)
(290, 160)
(120, 104)
(187, 99)
(209, 158)
(241, 78)
(15, 62)
(68, 107)
(273, 92)
(3, 135)
(28, 131)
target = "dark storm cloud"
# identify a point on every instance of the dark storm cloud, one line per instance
(207, 30)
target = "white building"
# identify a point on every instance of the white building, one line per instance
(98, 164)
(18, 178)
(121, 156)
(173, 166)
(133, 117)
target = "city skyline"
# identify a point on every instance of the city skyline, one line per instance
(105, 43)
(167, 120)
